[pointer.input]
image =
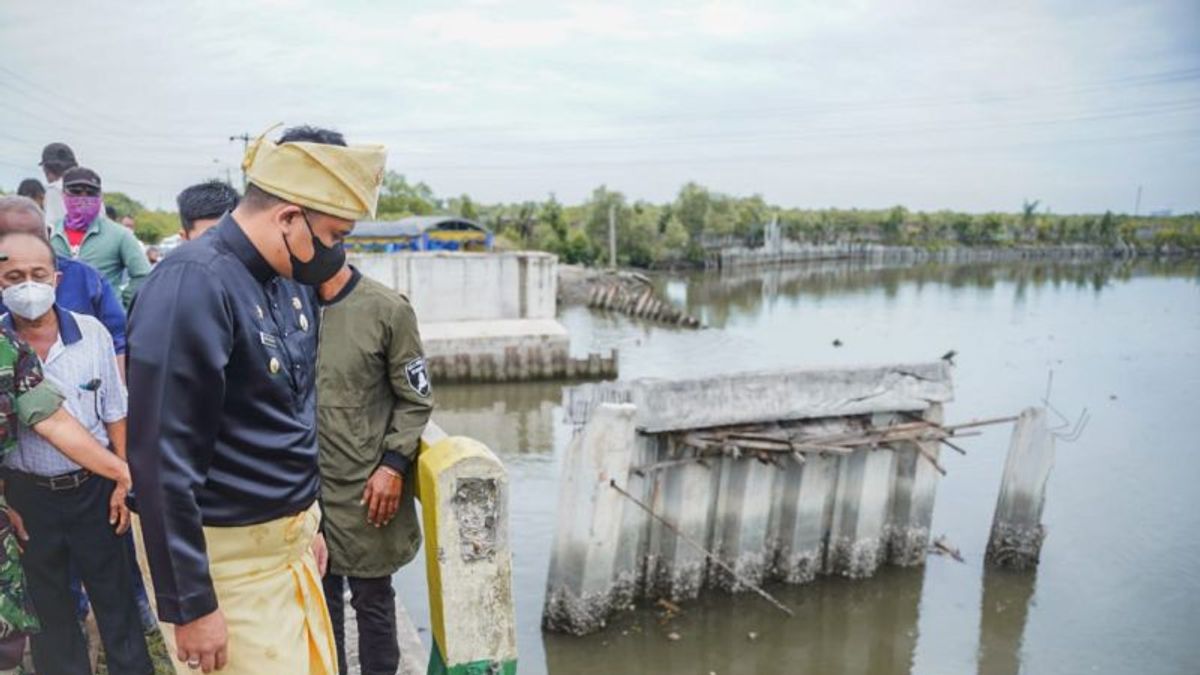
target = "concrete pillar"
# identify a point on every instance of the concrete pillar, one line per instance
(806, 510)
(634, 550)
(463, 490)
(860, 512)
(741, 521)
(590, 515)
(1017, 532)
(914, 487)
(688, 493)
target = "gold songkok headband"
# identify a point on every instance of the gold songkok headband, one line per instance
(333, 179)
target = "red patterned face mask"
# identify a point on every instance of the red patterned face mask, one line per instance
(81, 211)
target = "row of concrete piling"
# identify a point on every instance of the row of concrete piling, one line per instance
(756, 518)
(672, 487)
(637, 299)
(517, 364)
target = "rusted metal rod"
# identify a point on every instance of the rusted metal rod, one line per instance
(953, 446)
(931, 459)
(980, 423)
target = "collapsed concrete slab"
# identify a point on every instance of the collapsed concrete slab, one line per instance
(750, 478)
(746, 398)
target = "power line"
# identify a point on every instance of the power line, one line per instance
(758, 111)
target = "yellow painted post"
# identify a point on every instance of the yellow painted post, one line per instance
(463, 489)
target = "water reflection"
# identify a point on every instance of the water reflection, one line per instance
(867, 626)
(1004, 611)
(719, 297)
(1106, 329)
(515, 417)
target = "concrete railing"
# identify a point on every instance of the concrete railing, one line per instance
(463, 490)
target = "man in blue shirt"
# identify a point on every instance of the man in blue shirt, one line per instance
(81, 289)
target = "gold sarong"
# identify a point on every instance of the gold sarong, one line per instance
(269, 590)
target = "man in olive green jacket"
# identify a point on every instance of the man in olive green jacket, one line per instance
(373, 400)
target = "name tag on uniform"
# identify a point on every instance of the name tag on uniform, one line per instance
(268, 340)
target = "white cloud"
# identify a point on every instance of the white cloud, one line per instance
(837, 102)
(727, 19)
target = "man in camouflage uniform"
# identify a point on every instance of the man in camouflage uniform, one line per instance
(22, 374)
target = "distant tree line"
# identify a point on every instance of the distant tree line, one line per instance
(699, 220)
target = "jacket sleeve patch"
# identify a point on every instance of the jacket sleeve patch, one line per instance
(417, 376)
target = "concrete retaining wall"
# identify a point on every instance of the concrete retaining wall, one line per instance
(468, 286)
(769, 517)
(486, 317)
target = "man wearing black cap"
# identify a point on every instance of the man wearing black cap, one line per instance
(57, 158)
(87, 234)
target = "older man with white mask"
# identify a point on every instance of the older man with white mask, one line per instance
(73, 517)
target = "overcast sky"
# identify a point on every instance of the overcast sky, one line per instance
(932, 104)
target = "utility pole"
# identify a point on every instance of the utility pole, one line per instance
(245, 138)
(612, 235)
(1137, 203)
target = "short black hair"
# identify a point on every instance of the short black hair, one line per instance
(258, 198)
(311, 134)
(57, 158)
(110, 211)
(211, 199)
(31, 187)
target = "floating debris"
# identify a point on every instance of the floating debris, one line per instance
(941, 546)
(669, 606)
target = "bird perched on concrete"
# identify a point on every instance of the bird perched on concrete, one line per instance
(948, 357)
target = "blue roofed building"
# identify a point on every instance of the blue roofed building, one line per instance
(420, 233)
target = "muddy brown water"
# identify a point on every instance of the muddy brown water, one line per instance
(1118, 590)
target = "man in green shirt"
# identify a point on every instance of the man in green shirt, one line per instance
(88, 235)
(373, 400)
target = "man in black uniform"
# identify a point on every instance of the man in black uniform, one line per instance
(223, 445)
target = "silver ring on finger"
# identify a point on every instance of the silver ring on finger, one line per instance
(194, 664)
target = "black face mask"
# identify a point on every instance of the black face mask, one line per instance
(325, 263)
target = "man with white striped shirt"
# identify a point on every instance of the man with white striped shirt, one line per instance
(73, 517)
